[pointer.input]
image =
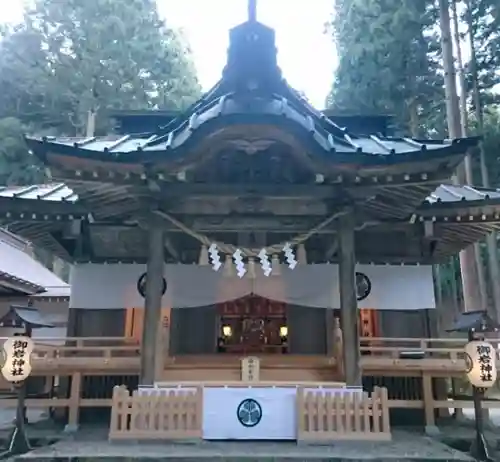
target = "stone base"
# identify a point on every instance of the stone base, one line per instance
(432, 430)
(70, 428)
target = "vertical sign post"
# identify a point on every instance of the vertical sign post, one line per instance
(16, 369)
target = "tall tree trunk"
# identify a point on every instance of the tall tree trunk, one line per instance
(464, 123)
(414, 122)
(491, 239)
(467, 257)
(90, 125)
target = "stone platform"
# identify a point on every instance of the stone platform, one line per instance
(91, 445)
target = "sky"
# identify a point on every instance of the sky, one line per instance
(305, 52)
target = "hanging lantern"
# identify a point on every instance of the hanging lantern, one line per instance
(480, 360)
(17, 355)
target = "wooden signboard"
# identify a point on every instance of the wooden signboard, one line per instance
(134, 320)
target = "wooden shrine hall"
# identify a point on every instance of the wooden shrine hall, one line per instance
(159, 217)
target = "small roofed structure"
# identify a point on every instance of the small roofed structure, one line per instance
(24, 317)
(478, 321)
(24, 280)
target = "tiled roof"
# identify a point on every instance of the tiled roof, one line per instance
(129, 148)
(251, 92)
(453, 193)
(49, 192)
(18, 266)
(29, 315)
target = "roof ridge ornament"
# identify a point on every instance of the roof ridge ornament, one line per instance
(252, 10)
(252, 63)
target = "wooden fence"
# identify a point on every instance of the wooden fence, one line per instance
(172, 415)
(327, 417)
(423, 363)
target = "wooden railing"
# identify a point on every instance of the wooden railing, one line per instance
(92, 347)
(328, 417)
(172, 415)
(421, 360)
(54, 351)
(446, 348)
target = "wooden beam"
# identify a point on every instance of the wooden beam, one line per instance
(38, 216)
(370, 176)
(348, 300)
(88, 245)
(289, 191)
(228, 223)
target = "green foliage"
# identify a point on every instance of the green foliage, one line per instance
(70, 57)
(484, 16)
(17, 165)
(67, 58)
(388, 62)
(491, 146)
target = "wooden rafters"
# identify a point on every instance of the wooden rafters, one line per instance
(346, 178)
(104, 207)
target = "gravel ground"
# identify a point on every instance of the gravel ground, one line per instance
(90, 444)
(406, 446)
(7, 417)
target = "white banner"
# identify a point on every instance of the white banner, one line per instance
(249, 413)
(380, 287)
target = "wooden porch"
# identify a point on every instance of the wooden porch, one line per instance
(95, 365)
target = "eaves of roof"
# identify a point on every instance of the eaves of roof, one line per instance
(19, 285)
(445, 196)
(171, 143)
(455, 196)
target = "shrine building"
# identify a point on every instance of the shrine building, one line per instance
(326, 228)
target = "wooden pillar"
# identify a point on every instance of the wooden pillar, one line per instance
(428, 398)
(152, 305)
(163, 344)
(348, 300)
(74, 402)
(330, 332)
